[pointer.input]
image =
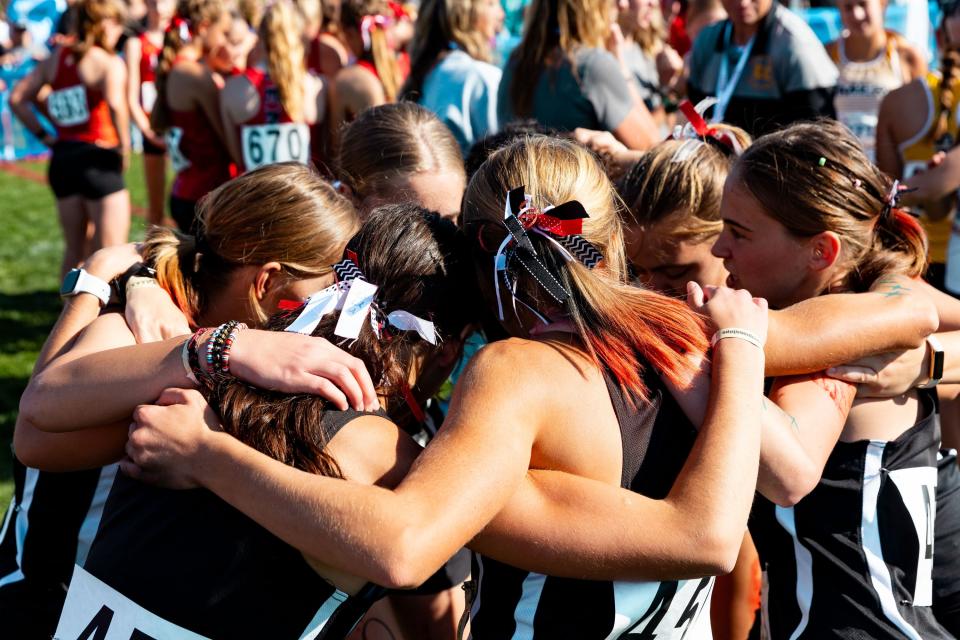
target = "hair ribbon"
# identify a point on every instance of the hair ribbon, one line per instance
(368, 24)
(697, 131)
(182, 25)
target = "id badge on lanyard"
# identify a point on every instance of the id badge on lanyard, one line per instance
(726, 84)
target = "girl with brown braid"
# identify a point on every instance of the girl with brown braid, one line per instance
(269, 111)
(917, 124)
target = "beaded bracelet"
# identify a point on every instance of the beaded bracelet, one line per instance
(218, 351)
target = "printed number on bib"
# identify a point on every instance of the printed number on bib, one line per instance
(677, 611)
(270, 143)
(148, 95)
(94, 610)
(68, 107)
(178, 161)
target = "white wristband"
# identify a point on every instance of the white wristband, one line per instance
(733, 332)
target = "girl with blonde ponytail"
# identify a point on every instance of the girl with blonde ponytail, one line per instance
(270, 110)
(374, 77)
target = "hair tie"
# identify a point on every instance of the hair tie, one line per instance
(182, 25)
(368, 24)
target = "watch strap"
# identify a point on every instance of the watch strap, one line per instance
(935, 349)
(87, 283)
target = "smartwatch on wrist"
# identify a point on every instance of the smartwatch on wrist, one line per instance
(79, 281)
(935, 348)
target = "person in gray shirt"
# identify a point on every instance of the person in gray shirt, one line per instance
(561, 76)
(764, 65)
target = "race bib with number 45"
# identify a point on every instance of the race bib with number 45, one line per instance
(265, 144)
(68, 107)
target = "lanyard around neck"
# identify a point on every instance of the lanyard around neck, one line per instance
(726, 85)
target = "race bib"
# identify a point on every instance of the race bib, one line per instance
(265, 144)
(93, 609)
(148, 95)
(68, 107)
(178, 161)
(674, 610)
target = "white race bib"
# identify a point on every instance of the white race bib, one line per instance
(265, 144)
(178, 161)
(93, 609)
(148, 95)
(68, 107)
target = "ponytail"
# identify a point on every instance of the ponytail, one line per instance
(623, 326)
(169, 251)
(950, 72)
(385, 62)
(280, 30)
(899, 246)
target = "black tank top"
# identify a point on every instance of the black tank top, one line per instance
(185, 564)
(657, 438)
(854, 558)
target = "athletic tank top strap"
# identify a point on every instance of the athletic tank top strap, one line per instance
(652, 456)
(256, 76)
(369, 66)
(333, 421)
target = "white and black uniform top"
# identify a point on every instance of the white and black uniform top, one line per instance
(854, 559)
(861, 88)
(48, 528)
(186, 565)
(511, 603)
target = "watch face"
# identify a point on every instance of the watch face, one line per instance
(70, 282)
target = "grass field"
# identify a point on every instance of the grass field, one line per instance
(31, 247)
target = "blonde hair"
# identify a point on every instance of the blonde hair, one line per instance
(391, 141)
(298, 221)
(439, 23)
(352, 13)
(651, 38)
(280, 30)
(687, 191)
(312, 14)
(90, 17)
(567, 24)
(195, 13)
(620, 326)
(252, 12)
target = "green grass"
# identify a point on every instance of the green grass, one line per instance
(31, 247)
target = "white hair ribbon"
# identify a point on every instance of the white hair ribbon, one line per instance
(319, 305)
(356, 306)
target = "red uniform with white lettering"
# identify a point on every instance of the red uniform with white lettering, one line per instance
(198, 156)
(80, 113)
(271, 135)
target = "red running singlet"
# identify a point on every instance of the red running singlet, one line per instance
(271, 136)
(80, 113)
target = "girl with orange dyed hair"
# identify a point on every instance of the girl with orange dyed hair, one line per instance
(594, 382)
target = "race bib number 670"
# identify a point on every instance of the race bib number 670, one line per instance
(265, 144)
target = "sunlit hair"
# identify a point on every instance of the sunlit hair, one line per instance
(196, 13)
(311, 14)
(91, 15)
(394, 141)
(279, 213)
(417, 260)
(667, 184)
(950, 75)
(440, 23)
(567, 24)
(380, 54)
(280, 32)
(621, 326)
(846, 195)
